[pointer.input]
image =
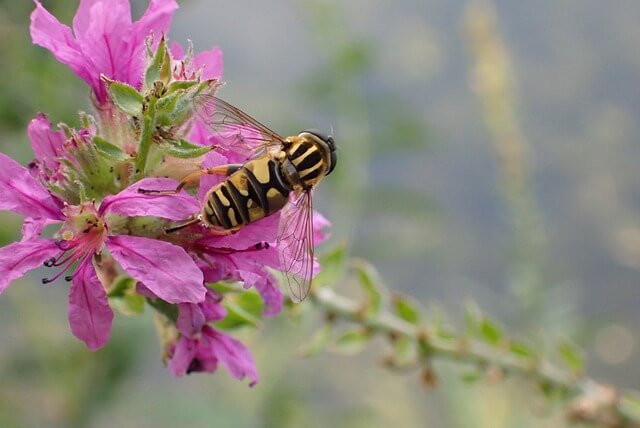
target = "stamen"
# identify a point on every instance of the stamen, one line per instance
(262, 245)
(50, 262)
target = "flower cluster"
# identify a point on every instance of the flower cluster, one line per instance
(110, 242)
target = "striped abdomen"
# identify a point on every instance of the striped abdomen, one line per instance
(254, 191)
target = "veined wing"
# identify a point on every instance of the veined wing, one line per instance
(230, 123)
(296, 246)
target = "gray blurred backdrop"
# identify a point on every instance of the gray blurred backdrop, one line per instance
(487, 152)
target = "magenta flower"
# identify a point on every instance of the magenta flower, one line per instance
(164, 268)
(200, 347)
(207, 65)
(203, 352)
(104, 39)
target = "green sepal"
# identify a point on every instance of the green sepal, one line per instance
(108, 150)
(166, 105)
(153, 72)
(125, 97)
(318, 343)
(186, 150)
(351, 341)
(181, 85)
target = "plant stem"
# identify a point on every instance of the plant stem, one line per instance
(146, 135)
(592, 402)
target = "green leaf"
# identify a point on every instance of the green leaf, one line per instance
(351, 342)
(129, 304)
(521, 350)
(406, 310)
(169, 310)
(405, 350)
(333, 266)
(572, 356)
(121, 285)
(630, 404)
(243, 309)
(369, 279)
(318, 342)
(186, 150)
(108, 150)
(471, 377)
(490, 332)
(125, 97)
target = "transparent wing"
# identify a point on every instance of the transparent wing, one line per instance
(295, 245)
(232, 124)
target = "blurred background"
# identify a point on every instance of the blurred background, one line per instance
(487, 152)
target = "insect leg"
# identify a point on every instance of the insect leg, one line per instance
(222, 232)
(225, 170)
(181, 226)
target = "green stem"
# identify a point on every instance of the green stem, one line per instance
(592, 402)
(146, 135)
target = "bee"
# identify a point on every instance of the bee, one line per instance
(278, 176)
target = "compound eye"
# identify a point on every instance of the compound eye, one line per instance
(334, 158)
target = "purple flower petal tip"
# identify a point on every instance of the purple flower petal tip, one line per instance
(165, 269)
(90, 316)
(131, 203)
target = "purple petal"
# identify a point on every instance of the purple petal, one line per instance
(164, 268)
(177, 52)
(210, 62)
(102, 40)
(90, 316)
(156, 20)
(320, 224)
(33, 227)
(83, 16)
(269, 292)
(264, 230)
(233, 355)
(131, 203)
(212, 307)
(190, 319)
(20, 257)
(49, 33)
(20, 192)
(142, 290)
(46, 144)
(183, 355)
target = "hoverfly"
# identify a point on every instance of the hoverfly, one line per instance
(279, 170)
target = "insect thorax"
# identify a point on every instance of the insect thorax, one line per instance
(309, 158)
